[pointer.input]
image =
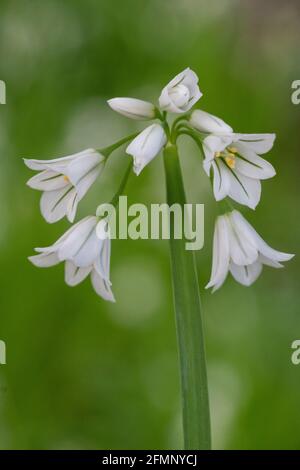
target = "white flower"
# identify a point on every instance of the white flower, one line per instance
(234, 158)
(181, 93)
(64, 181)
(238, 248)
(133, 108)
(84, 253)
(146, 146)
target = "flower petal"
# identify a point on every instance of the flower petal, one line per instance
(47, 180)
(258, 143)
(83, 172)
(82, 244)
(246, 275)
(242, 249)
(205, 122)
(54, 204)
(146, 146)
(243, 190)
(261, 245)
(39, 165)
(220, 254)
(74, 275)
(102, 287)
(221, 181)
(44, 260)
(133, 108)
(251, 164)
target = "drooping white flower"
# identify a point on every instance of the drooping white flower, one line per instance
(234, 159)
(84, 254)
(133, 108)
(181, 93)
(238, 248)
(146, 146)
(64, 182)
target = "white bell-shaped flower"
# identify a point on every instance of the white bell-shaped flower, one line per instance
(181, 93)
(238, 248)
(64, 182)
(84, 254)
(234, 158)
(146, 146)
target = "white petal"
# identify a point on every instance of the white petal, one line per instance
(133, 108)
(83, 172)
(258, 143)
(221, 181)
(246, 275)
(187, 79)
(269, 262)
(220, 254)
(242, 249)
(54, 204)
(251, 164)
(261, 245)
(82, 245)
(102, 287)
(243, 190)
(74, 275)
(47, 181)
(46, 164)
(44, 260)
(205, 122)
(102, 262)
(146, 146)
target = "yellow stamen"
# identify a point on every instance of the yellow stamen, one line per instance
(232, 149)
(66, 179)
(217, 154)
(230, 160)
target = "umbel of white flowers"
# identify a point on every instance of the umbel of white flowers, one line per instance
(233, 160)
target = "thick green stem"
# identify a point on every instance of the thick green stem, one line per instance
(196, 417)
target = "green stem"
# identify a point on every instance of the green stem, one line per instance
(106, 151)
(196, 417)
(115, 199)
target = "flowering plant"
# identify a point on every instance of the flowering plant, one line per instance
(236, 168)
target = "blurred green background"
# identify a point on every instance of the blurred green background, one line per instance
(82, 373)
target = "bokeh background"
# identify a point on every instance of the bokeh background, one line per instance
(85, 374)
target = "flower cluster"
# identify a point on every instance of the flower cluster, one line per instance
(232, 160)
